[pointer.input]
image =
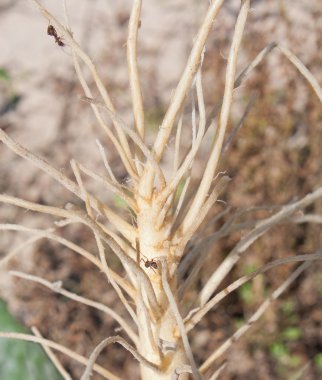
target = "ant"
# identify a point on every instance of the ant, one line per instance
(150, 264)
(51, 31)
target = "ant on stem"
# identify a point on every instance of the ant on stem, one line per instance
(51, 31)
(150, 264)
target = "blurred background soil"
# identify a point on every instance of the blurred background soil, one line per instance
(275, 158)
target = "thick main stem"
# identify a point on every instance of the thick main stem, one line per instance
(159, 340)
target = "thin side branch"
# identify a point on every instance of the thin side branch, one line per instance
(178, 318)
(187, 163)
(58, 347)
(121, 225)
(303, 70)
(261, 227)
(127, 162)
(220, 186)
(126, 261)
(259, 312)
(86, 59)
(110, 186)
(52, 356)
(223, 120)
(186, 78)
(114, 339)
(200, 313)
(137, 102)
(134, 137)
(57, 288)
(40, 234)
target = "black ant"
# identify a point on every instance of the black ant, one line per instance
(150, 264)
(51, 31)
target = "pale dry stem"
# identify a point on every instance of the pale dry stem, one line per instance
(110, 186)
(137, 102)
(114, 339)
(303, 70)
(187, 163)
(57, 288)
(126, 261)
(127, 162)
(259, 312)
(58, 347)
(146, 184)
(105, 161)
(261, 227)
(40, 234)
(119, 223)
(134, 137)
(86, 59)
(175, 310)
(214, 156)
(218, 189)
(100, 246)
(199, 313)
(52, 356)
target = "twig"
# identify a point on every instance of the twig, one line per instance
(126, 160)
(261, 227)
(114, 339)
(58, 347)
(186, 78)
(110, 186)
(122, 226)
(237, 127)
(86, 59)
(259, 312)
(201, 312)
(187, 163)
(57, 288)
(146, 184)
(100, 245)
(303, 70)
(308, 218)
(220, 186)
(218, 372)
(124, 258)
(177, 146)
(107, 272)
(137, 102)
(105, 161)
(254, 63)
(4, 261)
(223, 120)
(145, 325)
(56, 211)
(74, 247)
(52, 356)
(178, 318)
(134, 137)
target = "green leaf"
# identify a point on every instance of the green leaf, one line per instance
(292, 333)
(119, 202)
(318, 361)
(21, 360)
(288, 306)
(4, 75)
(246, 293)
(279, 350)
(294, 361)
(250, 269)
